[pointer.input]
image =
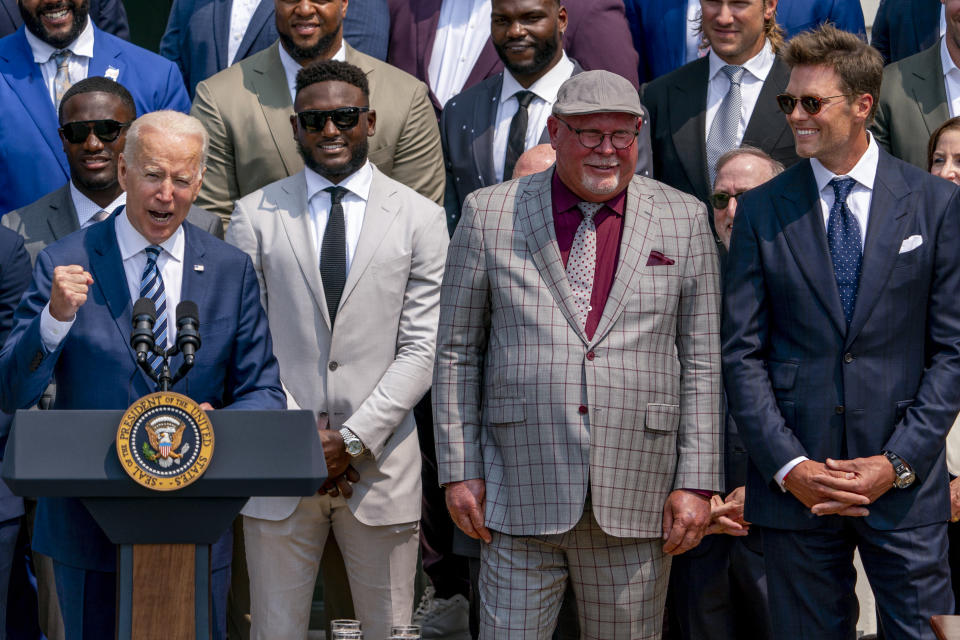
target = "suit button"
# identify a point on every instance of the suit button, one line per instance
(839, 409)
(333, 366)
(582, 410)
(591, 355)
(848, 358)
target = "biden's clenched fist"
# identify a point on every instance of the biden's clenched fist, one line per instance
(68, 291)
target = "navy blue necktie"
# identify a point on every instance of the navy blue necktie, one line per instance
(151, 286)
(843, 236)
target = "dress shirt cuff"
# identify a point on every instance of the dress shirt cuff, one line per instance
(52, 331)
(787, 468)
(703, 493)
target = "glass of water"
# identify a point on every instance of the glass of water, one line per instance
(405, 631)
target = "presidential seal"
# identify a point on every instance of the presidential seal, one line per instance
(165, 441)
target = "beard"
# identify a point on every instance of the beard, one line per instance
(336, 173)
(34, 23)
(543, 53)
(306, 54)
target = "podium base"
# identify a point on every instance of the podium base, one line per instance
(163, 591)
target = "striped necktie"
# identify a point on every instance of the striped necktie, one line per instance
(151, 286)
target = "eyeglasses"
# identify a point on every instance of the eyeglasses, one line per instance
(78, 132)
(720, 199)
(593, 138)
(343, 118)
(810, 104)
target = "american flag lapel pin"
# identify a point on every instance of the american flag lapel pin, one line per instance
(198, 268)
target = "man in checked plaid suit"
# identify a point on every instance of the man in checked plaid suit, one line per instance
(577, 383)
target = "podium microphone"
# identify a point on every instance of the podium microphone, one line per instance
(188, 335)
(144, 316)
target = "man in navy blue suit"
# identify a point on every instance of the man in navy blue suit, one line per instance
(57, 46)
(841, 357)
(73, 326)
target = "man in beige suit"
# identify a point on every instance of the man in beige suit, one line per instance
(246, 109)
(350, 263)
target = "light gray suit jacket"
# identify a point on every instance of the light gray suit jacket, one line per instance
(370, 371)
(54, 217)
(246, 108)
(913, 103)
(514, 367)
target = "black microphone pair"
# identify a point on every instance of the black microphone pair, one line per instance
(188, 335)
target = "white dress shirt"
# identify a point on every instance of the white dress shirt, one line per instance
(82, 53)
(291, 68)
(132, 245)
(757, 68)
(462, 31)
(240, 13)
(354, 205)
(858, 201)
(87, 208)
(951, 79)
(693, 31)
(943, 20)
(545, 94)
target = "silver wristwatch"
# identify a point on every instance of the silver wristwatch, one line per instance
(352, 443)
(905, 475)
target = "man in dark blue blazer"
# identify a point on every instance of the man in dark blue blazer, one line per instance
(14, 279)
(33, 163)
(842, 364)
(109, 15)
(659, 27)
(73, 326)
(905, 27)
(198, 34)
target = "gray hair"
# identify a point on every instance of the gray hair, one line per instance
(168, 122)
(776, 167)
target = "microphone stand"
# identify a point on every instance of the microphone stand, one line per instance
(164, 380)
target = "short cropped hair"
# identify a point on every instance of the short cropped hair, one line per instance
(858, 65)
(98, 84)
(953, 124)
(776, 167)
(168, 122)
(333, 71)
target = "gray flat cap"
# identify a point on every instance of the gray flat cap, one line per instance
(597, 92)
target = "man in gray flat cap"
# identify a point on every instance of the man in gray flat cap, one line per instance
(576, 390)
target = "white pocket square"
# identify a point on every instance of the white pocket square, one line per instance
(911, 243)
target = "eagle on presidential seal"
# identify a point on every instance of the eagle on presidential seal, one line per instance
(165, 434)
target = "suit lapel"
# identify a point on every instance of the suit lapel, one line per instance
(221, 31)
(260, 19)
(106, 56)
(196, 284)
(296, 224)
(688, 117)
(382, 209)
(63, 215)
(535, 218)
(767, 123)
(270, 85)
(884, 234)
(638, 233)
(928, 92)
(801, 219)
(428, 17)
(484, 124)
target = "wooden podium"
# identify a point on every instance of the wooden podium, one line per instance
(163, 538)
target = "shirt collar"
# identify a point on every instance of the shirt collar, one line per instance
(864, 172)
(758, 66)
(564, 199)
(87, 208)
(82, 46)
(545, 88)
(946, 61)
(357, 183)
(291, 67)
(131, 242)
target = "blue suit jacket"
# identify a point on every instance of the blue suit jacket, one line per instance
(109, 15)
(198, 30)
(95, 367)
(659, 36)
(905, 27)
(800, 383)
(33, 163)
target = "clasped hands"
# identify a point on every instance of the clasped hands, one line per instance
(842, 487)
(340, 473)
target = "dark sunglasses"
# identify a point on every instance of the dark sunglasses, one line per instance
(343, 118)
(721, 199)
(78, 132)
(810, 104)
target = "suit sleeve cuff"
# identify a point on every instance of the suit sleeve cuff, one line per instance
(787, 468)
(52, 331)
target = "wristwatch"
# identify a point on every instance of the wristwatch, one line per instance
(352, 443)
(905, 475)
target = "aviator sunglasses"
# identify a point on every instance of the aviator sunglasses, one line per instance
(343, 118)
(78, 132)
(810, 104)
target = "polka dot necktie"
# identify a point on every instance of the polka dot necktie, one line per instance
(582, 262)
(843, 237)
(726, 123)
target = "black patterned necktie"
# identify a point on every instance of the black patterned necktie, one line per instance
(333, 253)
(517, 137)
(843, 237)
